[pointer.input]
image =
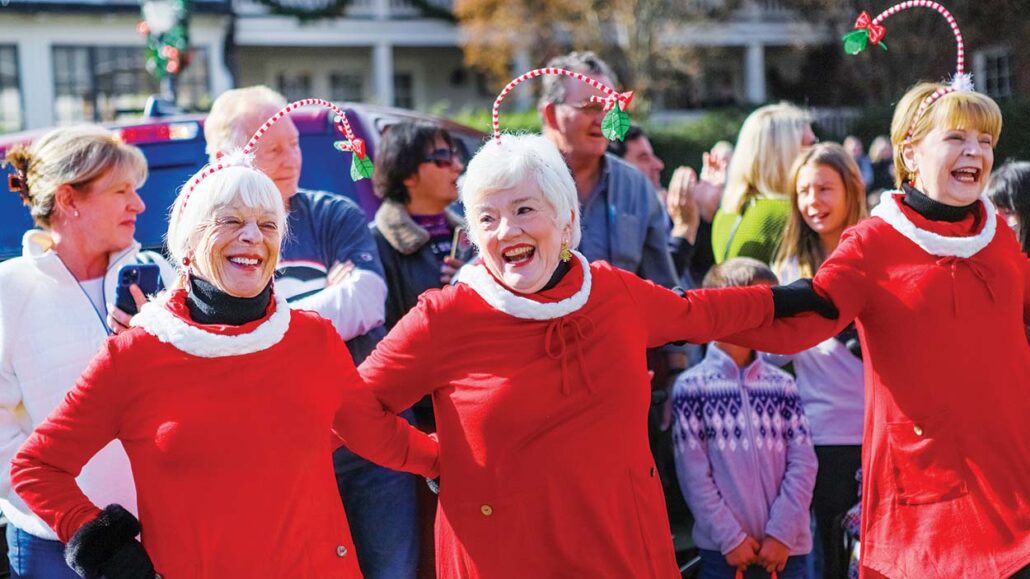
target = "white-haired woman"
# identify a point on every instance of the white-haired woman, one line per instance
(755, 204)
(536, 367)
(80, 186)
(223, 398)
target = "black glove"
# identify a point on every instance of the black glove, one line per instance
(799, 297)
(107, 547)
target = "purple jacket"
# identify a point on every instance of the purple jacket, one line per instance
(744, 456)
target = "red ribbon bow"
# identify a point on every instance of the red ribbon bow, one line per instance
(865, 22)
(358, 146)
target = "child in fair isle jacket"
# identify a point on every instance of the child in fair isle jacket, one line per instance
(744, 457)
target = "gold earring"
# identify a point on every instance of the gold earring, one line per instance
(565, 254)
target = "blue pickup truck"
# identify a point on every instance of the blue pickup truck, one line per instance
(174, 148)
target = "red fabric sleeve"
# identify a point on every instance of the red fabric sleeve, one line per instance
(699, 316)
(1026, 289)
(842, 280)
(44, 470)
(396, 375)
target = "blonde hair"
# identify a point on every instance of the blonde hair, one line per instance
(799, 240)
(223, 187)
(75, 156)
(739, 272)
(955, 110)
(518, 161)
(768, 142)
(232, 121)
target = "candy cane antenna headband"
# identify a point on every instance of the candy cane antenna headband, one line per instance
(871, 31)
(616, 119)
(361, 166)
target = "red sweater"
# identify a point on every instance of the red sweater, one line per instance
(230, 454)
(946, 454)
(544, 459)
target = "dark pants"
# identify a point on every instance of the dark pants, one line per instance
(836, 491)
(714, 566)
(35, 558)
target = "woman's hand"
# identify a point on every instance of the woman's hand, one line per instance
(119, 320)
(773, 555)
(450, 267)
(800, 297)
(107, 547)
(681, 204)
(338, 273)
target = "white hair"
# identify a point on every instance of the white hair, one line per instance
(235, 115)
(518, 161)
(223, 187)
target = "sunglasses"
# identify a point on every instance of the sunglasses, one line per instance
(587, 107)
(442, 157)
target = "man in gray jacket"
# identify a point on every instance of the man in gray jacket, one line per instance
(623, 222)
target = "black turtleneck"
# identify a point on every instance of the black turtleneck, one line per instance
(210, 305)
(559, 272)
(935, 210)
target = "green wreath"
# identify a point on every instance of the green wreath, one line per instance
(167, 54)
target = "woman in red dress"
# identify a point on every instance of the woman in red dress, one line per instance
(223, 399)
(940, 291)
(536, 367)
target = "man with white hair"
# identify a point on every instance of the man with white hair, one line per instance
(329, 264)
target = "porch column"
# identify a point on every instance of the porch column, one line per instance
(754, 73)
(382, 73)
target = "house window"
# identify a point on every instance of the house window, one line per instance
(346, 87)
(295, 86)
(404, 90)
(10, 90)
(103, 83)
(998, 70)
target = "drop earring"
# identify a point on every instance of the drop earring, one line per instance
(565, 254)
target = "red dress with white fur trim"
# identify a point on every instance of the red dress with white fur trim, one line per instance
(940, 309)
(545, 469)
(227, 429)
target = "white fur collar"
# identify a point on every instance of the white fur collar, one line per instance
(931, 242)
(500, 298)
(156, 319)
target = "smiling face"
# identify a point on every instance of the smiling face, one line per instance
(239, 249)
(278, 153)
(822, 201)
(952, 165)
(106, 211)
(518, 236)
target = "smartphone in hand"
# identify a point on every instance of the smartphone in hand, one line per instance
(461, 246)
(145, 275)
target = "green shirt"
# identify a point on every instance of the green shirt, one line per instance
(758, 233)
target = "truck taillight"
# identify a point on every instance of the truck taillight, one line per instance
(159, 132)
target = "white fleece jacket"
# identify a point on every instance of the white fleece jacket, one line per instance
(49, 332)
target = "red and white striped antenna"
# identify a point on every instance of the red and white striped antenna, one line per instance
(245, 156)
(613, 100)
(962, 81)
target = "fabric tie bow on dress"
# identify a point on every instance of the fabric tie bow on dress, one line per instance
(561, 331)
(952, 263)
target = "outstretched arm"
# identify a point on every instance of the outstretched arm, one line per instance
(842, 280)
(375, 430)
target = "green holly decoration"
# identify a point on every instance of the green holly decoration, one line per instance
(360, 168)
(858, 40)
(615, 124)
